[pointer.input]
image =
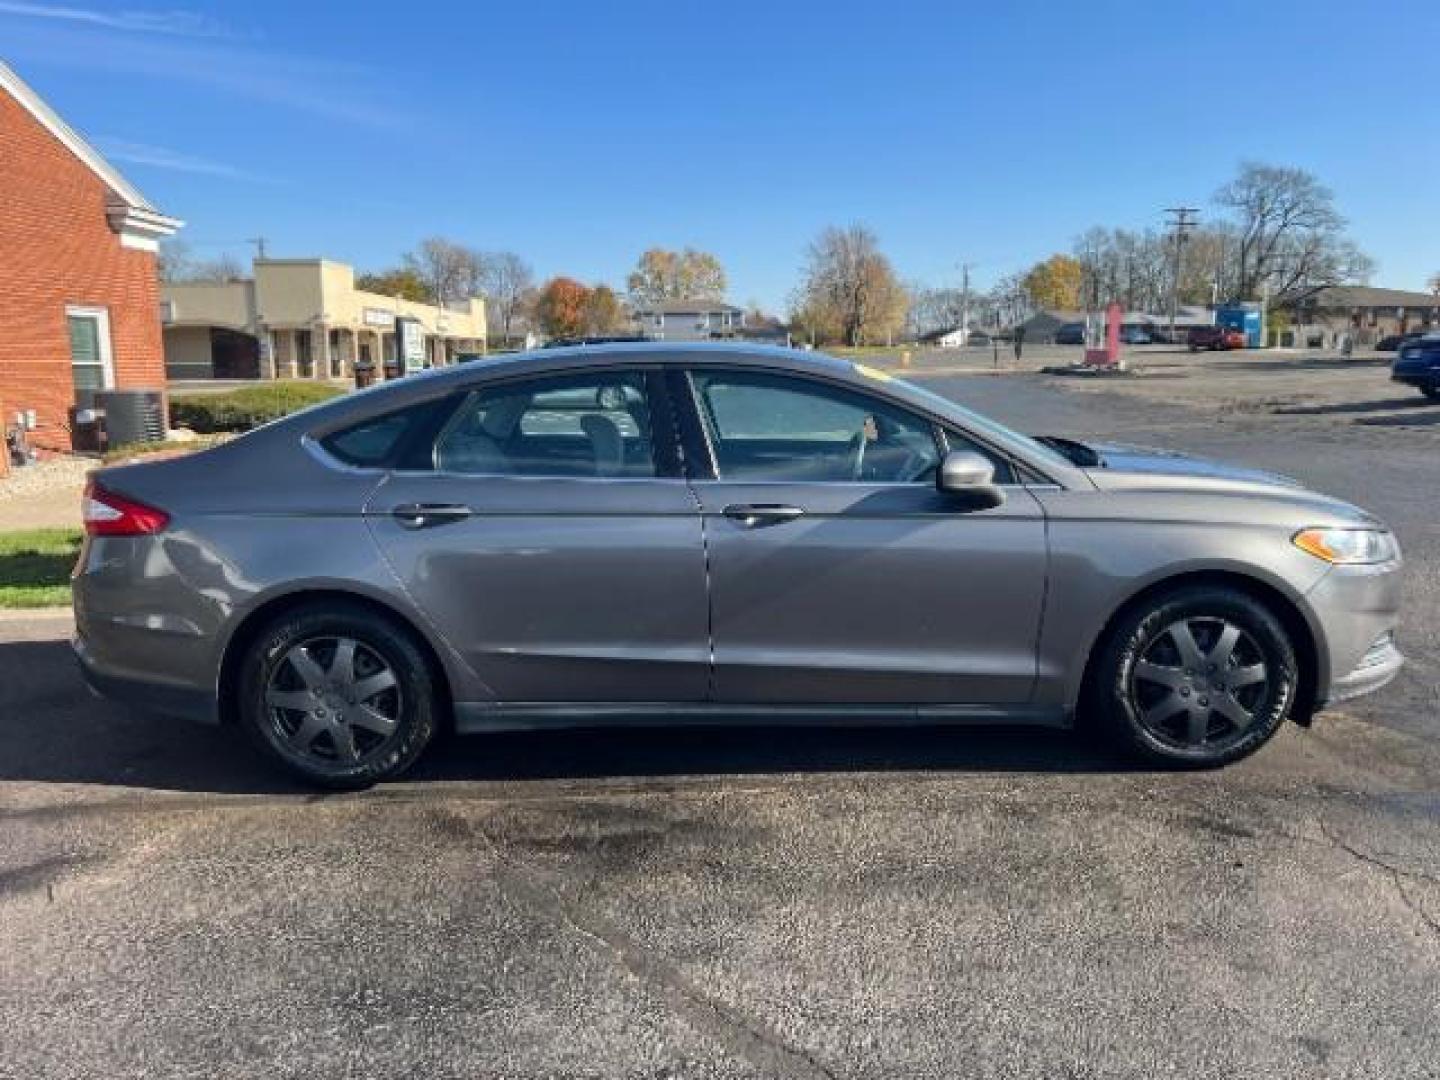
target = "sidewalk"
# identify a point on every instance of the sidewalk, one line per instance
(44, 496)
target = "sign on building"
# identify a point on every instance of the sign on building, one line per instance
(410, 343)
(374, 316)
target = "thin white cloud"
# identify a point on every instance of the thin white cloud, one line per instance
(174, 22)
(333, 90)
(161, 157)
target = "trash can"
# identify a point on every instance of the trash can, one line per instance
(364, 375)
(392, 369)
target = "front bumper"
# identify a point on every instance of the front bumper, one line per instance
(1357, 608)
(1421, 379)
(1376, 668)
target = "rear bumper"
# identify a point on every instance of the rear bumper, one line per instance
(148, 695)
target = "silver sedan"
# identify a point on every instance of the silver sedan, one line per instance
(670, 534)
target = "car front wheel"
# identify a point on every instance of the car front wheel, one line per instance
(1196, 678)
(338, 695)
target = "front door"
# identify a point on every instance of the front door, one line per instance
(839, 574)
(554, 545)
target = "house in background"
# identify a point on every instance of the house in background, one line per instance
(1040, 327)
(955, 337)
(304, 319)
(689, 320)
(1320, 317)
(79, 287)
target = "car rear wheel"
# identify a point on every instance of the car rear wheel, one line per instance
(1432, 392)
(338, 695)
(1196, 678)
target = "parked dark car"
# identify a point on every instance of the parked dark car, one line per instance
(1070, 334)
(1394, 341)
(1132, 334)
(1418, 365)
(1217, 338)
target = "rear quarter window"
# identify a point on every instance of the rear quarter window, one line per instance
(379, 441)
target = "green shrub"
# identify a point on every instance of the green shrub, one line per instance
(248, 407)
(130, 451)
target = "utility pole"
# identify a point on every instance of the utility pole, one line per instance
(1184, 221)
(964, 305)
(259, 242)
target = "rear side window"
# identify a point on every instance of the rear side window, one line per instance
(373, 443)
(591, 425)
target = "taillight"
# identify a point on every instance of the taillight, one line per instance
(109, 514)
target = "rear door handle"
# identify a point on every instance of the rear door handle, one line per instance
(426, 515)
(754, 515)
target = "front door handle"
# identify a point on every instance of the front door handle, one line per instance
(754, 515)
(426, 515)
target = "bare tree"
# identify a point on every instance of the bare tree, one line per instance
(508, 282)
(849, 288)
(450, 271)
(176, 265)
(935, 309)
(1290, 239)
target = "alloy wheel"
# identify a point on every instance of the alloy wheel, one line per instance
(334, 701)
(1200, 683)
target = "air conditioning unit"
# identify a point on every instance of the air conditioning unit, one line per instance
(132, 416)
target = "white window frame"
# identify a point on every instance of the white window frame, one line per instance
(101, 315)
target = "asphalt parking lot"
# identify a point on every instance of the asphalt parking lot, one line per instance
(757, 903)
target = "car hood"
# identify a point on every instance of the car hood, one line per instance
(1151, 461)
(1142, 469)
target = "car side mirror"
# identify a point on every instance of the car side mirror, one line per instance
(971, 477)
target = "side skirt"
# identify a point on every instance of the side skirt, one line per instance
(479, 717)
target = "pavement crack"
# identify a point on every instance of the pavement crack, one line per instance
(1396, 875)
(742, 1035)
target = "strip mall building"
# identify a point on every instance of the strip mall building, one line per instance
(79, 289)
(304, 319)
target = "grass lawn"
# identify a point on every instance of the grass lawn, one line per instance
(35, 567)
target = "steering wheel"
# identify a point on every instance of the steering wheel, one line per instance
(856, 450)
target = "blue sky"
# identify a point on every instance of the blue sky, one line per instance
(579, 134)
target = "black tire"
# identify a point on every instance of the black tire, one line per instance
(1134, 711)
(409, 703)
(1432, 392)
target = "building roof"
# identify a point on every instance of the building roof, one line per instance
(129, 211)
(687, 307)
(1365, 296)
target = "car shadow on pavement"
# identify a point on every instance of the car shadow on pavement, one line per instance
(53, 731)
(1409, 402)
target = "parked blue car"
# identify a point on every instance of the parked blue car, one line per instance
(1417, 364)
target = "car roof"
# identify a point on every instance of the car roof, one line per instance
(618, 354)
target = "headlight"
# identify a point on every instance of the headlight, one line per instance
(1348, 546)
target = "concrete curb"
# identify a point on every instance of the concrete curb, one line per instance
(43, 614)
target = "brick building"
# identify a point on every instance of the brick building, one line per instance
(79, 291)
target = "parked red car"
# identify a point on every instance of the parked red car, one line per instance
(1216, 337)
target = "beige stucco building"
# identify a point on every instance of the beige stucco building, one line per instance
(304, 319)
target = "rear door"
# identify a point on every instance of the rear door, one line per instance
(548, 535)
(839, 574)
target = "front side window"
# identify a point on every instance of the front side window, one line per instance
(593, 425)
(775, 428)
